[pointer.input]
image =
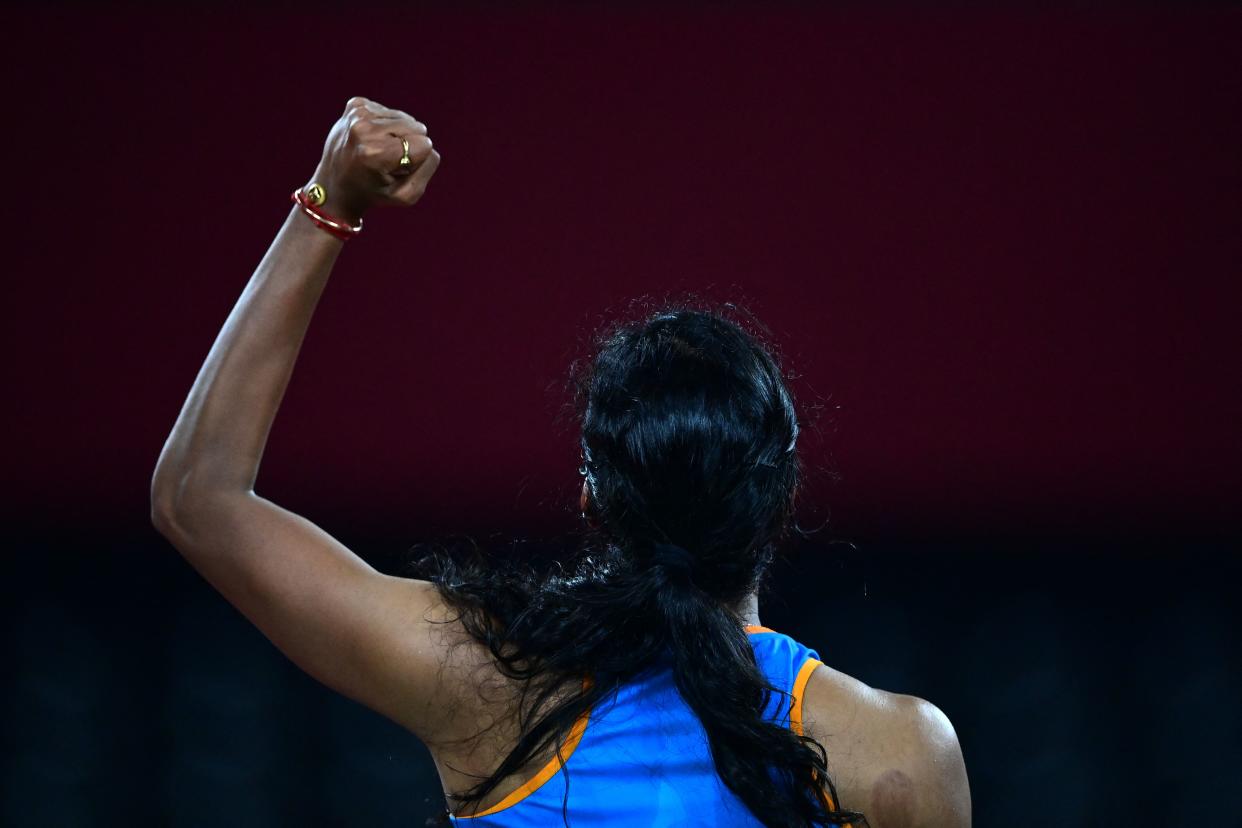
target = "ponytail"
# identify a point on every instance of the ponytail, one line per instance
(713, 661)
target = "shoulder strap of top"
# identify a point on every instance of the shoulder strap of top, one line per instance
(788, 664)
(800, 661)
(553, 766)
(799, 691)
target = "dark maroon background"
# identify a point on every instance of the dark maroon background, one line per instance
(1001, 249)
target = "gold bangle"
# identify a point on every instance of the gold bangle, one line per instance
(330, 224)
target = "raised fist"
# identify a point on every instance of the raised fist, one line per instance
(363, 164)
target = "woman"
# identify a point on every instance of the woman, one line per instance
(635, 687)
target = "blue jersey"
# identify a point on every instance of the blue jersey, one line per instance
(641, 758)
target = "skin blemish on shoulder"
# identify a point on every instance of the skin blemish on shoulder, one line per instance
(892, 800)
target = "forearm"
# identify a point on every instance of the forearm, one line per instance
(373, 155)
(217, 441)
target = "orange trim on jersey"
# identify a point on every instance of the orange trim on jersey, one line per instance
(826, 798)
(795, 719)
(799, 689)
(751, 629)
(546, 772)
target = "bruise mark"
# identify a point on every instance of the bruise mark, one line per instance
(892, 800)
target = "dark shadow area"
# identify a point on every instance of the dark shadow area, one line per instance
(1096, 680)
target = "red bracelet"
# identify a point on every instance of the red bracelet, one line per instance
(325, 222)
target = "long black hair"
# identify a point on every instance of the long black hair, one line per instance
(689, 455)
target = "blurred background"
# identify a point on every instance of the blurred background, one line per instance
(1000, 251)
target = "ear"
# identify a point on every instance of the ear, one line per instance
(584, 506)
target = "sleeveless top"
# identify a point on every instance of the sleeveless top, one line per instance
(641, 757)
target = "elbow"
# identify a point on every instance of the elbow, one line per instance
(188, 498)
(163, 518)
(185, 502)
(178, 500)
(164, 502)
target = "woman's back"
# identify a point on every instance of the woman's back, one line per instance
(641, 757)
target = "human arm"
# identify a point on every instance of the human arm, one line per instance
(895, 758)
(358, 631)
(935, 756)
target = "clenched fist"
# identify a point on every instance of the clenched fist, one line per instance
(361, 163)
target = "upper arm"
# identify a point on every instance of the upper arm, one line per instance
(935, 756)
(895, 758)
(372, 637)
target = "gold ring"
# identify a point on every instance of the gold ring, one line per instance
(405, 153)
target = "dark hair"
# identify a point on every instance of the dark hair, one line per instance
(688, 442)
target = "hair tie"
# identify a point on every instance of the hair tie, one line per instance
(676, 560)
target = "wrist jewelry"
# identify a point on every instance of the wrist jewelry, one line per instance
(309, 198)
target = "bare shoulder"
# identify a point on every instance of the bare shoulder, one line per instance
(895, 758)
